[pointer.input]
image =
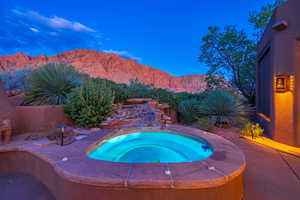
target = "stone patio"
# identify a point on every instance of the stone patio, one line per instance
(270, 174)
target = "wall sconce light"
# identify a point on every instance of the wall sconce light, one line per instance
(280, 26)
(284, 83)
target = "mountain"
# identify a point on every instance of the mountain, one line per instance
(109, 66)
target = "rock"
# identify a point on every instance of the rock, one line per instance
(15, 92)
(109, 66)
(138, 101)
(139, 113)
(163, 106)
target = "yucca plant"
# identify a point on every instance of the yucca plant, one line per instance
(50, 84)
(225, 108)
(189, 111)
(90, 104)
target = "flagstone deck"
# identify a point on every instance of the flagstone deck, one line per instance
(270, 174)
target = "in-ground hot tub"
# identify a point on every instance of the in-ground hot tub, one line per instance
(215, 174)
(152, 147)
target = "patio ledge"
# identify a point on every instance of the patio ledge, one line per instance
(275, 145)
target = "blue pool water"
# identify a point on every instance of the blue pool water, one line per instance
(152, 147)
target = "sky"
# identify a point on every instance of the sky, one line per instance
(165, 34)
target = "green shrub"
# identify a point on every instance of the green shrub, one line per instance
(15, 79)
(205, 123)
(181, 96)
(225, 108)
(137, 89)
(121, 91)
(188, 111)
(50, 84)
(90, 104)
(163, 96)
(253, 130)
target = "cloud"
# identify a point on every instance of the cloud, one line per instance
(54, 22)
(31, 32)
(34, 30)
(124, 54)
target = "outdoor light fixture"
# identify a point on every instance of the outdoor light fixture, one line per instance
(62, 131)
(280, 26)
(284, 83)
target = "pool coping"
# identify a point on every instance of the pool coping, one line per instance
(71, 163)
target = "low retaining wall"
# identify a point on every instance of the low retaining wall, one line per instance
(39, 118)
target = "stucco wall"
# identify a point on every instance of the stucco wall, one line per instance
(284, 117)
(39, 118)
(7, 110)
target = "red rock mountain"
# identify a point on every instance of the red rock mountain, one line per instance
(109, 66)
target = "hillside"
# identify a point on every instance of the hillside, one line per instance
(109, 66)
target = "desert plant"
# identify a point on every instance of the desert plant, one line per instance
(188, 111)
(50, 84)
(163, 96)
(204, 123)
(90, 104)
(138, 90)
(252, 130)
(225, 108)
(15, 79)
(121, 91)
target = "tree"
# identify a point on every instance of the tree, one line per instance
(229, 52)
(259, 19)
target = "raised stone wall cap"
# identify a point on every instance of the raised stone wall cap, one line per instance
(280, 26)
(138, 101)
(163, 106)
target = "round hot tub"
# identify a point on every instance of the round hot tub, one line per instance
(146, 163)
(152, 147)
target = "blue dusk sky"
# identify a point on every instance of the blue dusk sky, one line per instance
(165, 34)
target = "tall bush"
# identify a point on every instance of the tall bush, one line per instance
(90, 104)
(50, 84)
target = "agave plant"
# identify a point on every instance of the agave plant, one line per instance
(50, 84)
(225, 108)
(189, 111)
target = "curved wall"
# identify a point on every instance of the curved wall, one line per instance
(62, 189)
